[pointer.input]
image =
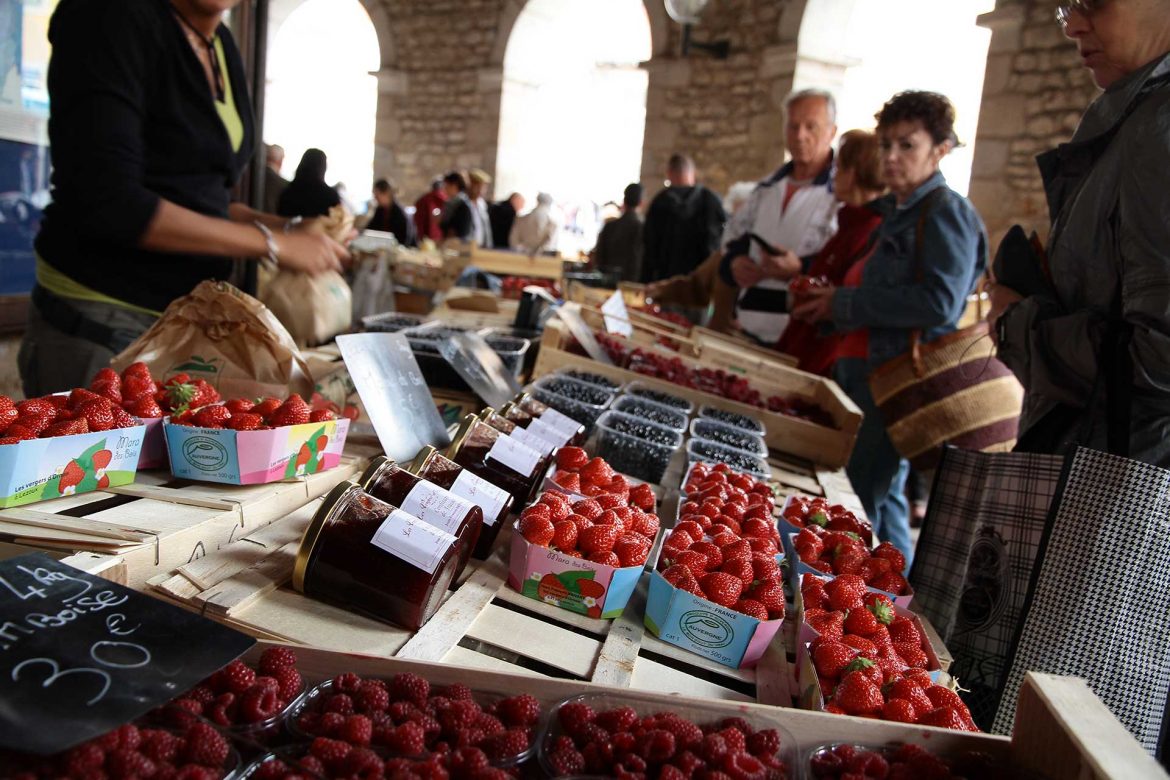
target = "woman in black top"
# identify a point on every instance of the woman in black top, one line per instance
(150, 127)
(308, 195)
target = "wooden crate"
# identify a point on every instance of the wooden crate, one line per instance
(158, 523)
(516, 264)
(737, 353)
(827, 446)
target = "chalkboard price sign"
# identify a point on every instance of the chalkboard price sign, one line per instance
(480, 367)
(80, 655)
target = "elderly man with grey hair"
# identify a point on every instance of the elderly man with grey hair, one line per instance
(536, 231)
(788, 217)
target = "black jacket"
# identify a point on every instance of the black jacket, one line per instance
(619, 246)
(456, 219)
(394, 220)
(683, 227)
(307, 198)
(133, 122)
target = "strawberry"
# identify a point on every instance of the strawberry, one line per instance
(892, 583)
(892, 554)
(571, 458)
(111, 390)
(589, 508)
(902, 629)
(134, 388)
(711, 551)
(945, 717)
(642, 496)
(694, 561)
(597, 471)
(266, 407)
(244, 421)
(122, 419)
(77, 398)
(830, 658)
(857, 695)
(37, 407)
(537, 530)
(771, 595)
(216, 416)
(646, 524)
(136, 369)
(8, 412)
(605, 558)
(98, 413)
(9, 440)
(721, 588)
(294, 411)
(740, 568)
(145, 407)
(845, 592)
(564, 535)
(752, 608)
(909, 692)
(69, 428)
(321, 415)
(830, 625)
(568, 480)
(237, 405)
(678, 574)
(632, 549)
(865, 666)
(597, 539)
(861, 622)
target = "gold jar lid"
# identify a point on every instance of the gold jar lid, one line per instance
(372, 470)
(416, 466)
(313, 531)
(465, 425)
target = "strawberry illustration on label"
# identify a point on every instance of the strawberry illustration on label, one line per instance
(310, 456)
(551, 589)
(70, 478)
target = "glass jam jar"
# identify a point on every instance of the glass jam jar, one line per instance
(498, 458)
(386, 481)
(501, 423)
(551, 418)
(368, 556)
(495, 502)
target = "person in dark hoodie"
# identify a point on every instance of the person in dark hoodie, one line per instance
(308, 195)
(683, 225)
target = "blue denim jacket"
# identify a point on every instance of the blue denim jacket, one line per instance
(891, 302)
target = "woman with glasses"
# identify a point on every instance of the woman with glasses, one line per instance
(900, 288)
(1092, 345)
(150, 127)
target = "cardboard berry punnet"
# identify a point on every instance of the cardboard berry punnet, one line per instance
(576, 584)
(41, 469)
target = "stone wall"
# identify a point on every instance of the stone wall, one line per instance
(1034, 93)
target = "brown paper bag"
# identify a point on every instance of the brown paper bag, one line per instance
(314, 309)
(226, 337)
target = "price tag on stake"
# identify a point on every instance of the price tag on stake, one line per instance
(80, 655)
(617, 318)
(394, 393)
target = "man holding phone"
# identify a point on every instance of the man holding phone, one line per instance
(789, 216)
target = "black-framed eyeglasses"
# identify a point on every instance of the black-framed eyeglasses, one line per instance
(1083, 7)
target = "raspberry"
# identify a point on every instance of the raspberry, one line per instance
(714, 748)
(85, 759)
(764, 743)
(339, 702)
(467, 761)
(616, 720)
(331, 752)
(362, 762)
(567, 762)
(407, 740)
(311, 763)
(503, 746)
(126, 736)
(743, 766)
(371, 698)
(272, 769)
(205, 746)
(519, 711)
(574, 716)
(357, 730)
(411, 688)
(657, 746)
(236, 677)
(459, 716)
(261, 702)
(276, 658)
(346, 683)
(488, 724)
(402, 711)
(686, 734)
(457, 691)
(193, 772)
(126, 762)
(289, 682)
(330, 724)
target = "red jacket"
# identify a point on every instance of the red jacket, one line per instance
(427, 210)
(805, 340)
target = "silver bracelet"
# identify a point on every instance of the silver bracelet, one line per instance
(273, 259)
(292, 223)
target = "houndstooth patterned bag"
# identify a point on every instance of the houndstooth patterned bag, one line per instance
(974, 559)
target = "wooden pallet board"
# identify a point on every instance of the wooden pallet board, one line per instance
(157, 523)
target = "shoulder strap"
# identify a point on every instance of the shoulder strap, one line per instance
(928, 202)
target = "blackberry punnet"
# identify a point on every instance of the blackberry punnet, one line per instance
(593, 379)
(655, 413)
(735, 419)
(729, 436)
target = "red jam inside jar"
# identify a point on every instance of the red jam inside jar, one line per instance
(371, 557)
(386, 481)
(496, 457)
(494, 501)
(551, 418)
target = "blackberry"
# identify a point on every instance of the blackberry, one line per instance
(655, 413)
(511, 351)
(735, 438)
(583, 402)
(593, 379)
(742, 421)
(635, 447)
(390, 323)
(659, 397)
(711, 452)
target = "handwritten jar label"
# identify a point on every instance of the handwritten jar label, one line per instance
(516, 456)
(546, 431)
(436, 506)
(405, 536)
(561, 422)
(482, 493)
(534, 441)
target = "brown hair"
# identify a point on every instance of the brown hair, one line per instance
(859, 151)
(933, 110)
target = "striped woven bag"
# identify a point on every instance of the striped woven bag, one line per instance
(948, 391)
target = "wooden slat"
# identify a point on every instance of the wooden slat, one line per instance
(461, 656)
(295, 618)
(536, 639)
(652, 676)
(774, 677)
(619, 652)
(451, 621)
(687, 658)
(240, 591)
(18, 516)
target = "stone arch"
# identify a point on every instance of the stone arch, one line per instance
(279, 10)
(655, 10)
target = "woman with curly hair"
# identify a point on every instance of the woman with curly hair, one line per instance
(901, 288)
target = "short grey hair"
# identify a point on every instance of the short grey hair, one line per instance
(813, 92)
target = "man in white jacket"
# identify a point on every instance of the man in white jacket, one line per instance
(536, 231)
(789, 216)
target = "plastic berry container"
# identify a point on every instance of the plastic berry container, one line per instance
(512, 351)
(603, 382)
(658, 414)
(635, 447)
(712, 452)
(972, 765)
(642, 390)
(580, 400)
(728, 436)
(789, 752)
(391, 322)
(735, 419)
